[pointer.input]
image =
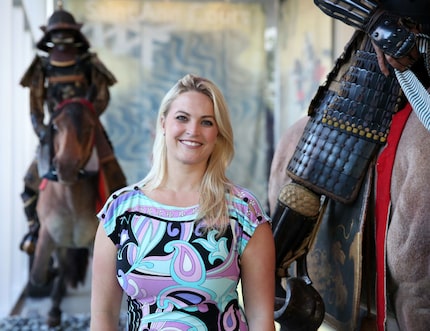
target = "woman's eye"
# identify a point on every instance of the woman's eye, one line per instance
(181, 118)
(207, 123)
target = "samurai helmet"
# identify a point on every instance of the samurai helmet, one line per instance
(64, 21)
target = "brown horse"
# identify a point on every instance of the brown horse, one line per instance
(67, 203)
(407, 240)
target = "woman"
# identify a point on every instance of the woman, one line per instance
(178, 241)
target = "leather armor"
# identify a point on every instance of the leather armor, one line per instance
(52, 84)
(350, 119)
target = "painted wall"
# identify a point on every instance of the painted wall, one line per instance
(308, 43)
(149, 45)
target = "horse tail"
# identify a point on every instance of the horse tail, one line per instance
(76, 269)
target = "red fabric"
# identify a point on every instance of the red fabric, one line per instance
(103, 193)
(42, 184)
(384, 168)
(83, 101)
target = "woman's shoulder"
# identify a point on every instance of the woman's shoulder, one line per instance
(123, 194)
(241, 193)
(125, 191)
(245, 201)
(248, 212)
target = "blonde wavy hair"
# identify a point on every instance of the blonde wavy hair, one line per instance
(212, 204)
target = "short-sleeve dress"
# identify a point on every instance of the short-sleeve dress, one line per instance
(176, 276)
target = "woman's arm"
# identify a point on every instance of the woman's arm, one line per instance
(258, 279)
(106, 294)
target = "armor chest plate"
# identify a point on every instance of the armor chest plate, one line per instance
(65, 82)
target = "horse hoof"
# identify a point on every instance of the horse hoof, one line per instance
(54, 317)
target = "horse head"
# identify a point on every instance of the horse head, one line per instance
(73, 126)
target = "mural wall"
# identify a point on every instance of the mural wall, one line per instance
(149, 45)
(304, 50)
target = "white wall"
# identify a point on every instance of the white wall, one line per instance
(17, 147)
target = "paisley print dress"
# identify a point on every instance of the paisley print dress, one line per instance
(176, 276)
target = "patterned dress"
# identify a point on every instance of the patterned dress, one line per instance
(176, 276)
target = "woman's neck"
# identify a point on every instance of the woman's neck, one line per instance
(176, 192)
(182, 183)
(183, 178)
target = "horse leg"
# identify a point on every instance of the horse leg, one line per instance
(58, 290)
(41, 272)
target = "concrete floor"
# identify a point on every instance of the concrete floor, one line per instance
(77, 301)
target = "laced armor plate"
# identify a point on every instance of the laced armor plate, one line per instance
(350, 120)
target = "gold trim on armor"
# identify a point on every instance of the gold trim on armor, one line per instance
(338, 124)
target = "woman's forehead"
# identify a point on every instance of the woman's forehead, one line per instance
(193, 102)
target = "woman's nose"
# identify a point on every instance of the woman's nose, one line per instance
(193, 128)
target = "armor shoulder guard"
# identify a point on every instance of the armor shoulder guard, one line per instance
(34, 71)
(101, 68)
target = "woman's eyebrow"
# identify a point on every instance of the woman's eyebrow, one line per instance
(179, 111)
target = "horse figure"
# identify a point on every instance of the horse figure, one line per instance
(67, 203)
(343, 274)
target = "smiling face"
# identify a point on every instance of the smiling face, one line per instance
(190, 129)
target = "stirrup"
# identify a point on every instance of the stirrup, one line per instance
(28, 243)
